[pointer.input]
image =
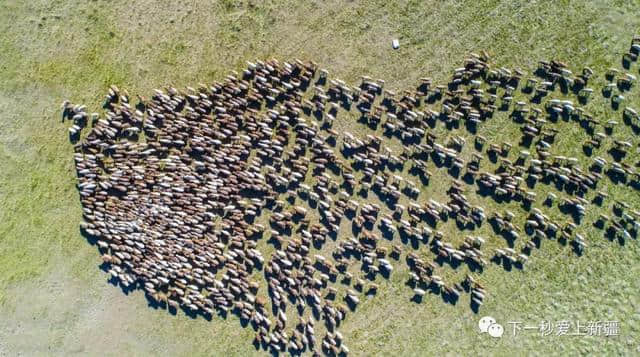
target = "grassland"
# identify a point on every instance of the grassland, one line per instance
(55, 300)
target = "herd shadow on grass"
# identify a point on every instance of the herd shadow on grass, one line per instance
(154, 303)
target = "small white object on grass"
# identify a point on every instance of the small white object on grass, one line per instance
(395, 44)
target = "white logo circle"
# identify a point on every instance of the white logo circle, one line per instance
(485, 322)
(495, 330)
(488, 324)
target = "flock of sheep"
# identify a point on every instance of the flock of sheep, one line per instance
(185, 191)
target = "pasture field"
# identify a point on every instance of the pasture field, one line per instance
(54, 298)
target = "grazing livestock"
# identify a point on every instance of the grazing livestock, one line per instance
(183, 213)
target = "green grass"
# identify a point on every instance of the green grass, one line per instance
(53, 297)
